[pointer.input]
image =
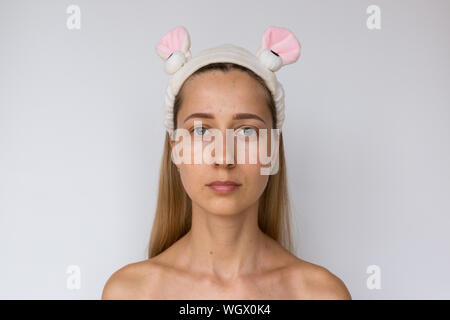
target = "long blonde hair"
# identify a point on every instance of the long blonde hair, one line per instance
(173, 215)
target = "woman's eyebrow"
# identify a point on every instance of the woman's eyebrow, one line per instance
(199, 115)
(236, 116)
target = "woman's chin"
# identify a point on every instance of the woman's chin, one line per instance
(224, 209)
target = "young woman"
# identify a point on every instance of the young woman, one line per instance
(222, 230)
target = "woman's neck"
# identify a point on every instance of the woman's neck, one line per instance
(224, 246)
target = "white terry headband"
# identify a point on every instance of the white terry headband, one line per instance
(279, 47)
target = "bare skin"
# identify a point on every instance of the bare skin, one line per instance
(225, 255)
(280, 275)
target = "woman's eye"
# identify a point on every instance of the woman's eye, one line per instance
(247, 131)
(201, 131)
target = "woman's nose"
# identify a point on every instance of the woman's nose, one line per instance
(226, 158)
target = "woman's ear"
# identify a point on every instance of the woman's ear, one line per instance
(172, 145)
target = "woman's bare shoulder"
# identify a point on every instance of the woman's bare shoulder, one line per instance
(133, 281)
(313, 282)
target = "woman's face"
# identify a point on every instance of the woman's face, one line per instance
(222, 96)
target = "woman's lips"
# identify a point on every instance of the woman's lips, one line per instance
(224, 186)
(224, 189)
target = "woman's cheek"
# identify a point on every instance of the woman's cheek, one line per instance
(256, 182)
(191, 180)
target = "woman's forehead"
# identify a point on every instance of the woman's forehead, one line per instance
(224, 94)
(234, 80)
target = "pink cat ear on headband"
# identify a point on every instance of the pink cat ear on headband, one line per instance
(279, 47)
(174, 49)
